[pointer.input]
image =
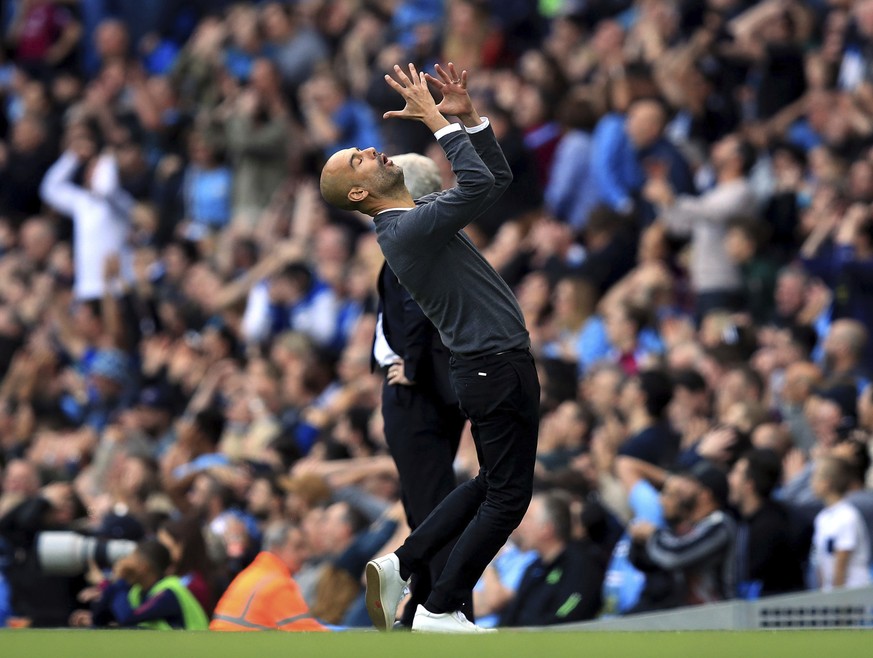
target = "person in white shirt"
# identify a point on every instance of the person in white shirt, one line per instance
(99, 208)
(841, 548)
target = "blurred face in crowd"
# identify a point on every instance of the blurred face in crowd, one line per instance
(861, 181)
(725, 153)
(608, 37)
(645, 121)
(276, 22)
(311, 526)
(534, 530)
(790, 294)
(20, 478)
(739, 486)
(111, 39)
(28, 134)
(824, 417)
(773, 436)
(863, 13)
(530, 109)
(200, 494)
(600, 390)
(678, 499)
(738, 246)
(260, 498)
(87, 322)
(620, 329)
(335, 527)
(733, 388)
(134, 476)
(265, 77)
(692, 403)
(175, 262)
(323, 92)
(565, 426)
(799, 381)
(631, 396)
(199, 151)
(243, 21)
(295, 550)
(63, 510)
(37, 240)
(820, 482)
(534, 292)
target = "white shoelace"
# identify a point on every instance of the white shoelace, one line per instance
(461, 617)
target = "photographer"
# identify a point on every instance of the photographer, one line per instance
(46, 600)
(141, 595)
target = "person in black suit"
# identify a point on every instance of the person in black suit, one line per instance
(423, 422)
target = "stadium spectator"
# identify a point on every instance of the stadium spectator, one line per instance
(840, 543)
(99, 209)
(264, 596)
(141, 595)
(563, 583)
(767, 562)
(693, 558)
(714, 279)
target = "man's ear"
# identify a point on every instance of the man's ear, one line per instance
(358, 194)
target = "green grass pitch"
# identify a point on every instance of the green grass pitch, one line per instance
(506, 644)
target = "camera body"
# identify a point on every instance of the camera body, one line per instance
(68, 553)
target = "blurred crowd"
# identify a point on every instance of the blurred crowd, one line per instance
(186, 329)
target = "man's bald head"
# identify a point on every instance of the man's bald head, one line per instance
(336, 181)
(800, 379)
(367, 181)
(849, 335)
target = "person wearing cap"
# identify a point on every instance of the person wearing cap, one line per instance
(692, 558)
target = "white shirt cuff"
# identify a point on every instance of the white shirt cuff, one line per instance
(451, 128)
(482, 126)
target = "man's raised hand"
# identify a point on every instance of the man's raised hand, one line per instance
(420, 105)
(456, 101)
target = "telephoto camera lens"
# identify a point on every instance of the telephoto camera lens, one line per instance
(68, 553)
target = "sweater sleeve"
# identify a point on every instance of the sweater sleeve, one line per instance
(670, 551)
(441, 216)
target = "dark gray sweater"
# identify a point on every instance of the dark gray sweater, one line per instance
(467, 301)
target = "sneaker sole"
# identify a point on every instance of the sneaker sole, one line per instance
(373, 599)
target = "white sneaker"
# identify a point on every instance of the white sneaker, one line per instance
(446, 622)
(385, 590)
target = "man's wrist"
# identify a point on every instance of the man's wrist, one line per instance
(470, 120)
(435, 122)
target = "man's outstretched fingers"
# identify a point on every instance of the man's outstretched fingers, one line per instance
(394, 84)
(402, 75)
(445, 77)
(439, 84)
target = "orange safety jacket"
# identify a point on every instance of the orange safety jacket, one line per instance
(264, 597)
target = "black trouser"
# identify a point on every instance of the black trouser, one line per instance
(500, 395)
(423, 434)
